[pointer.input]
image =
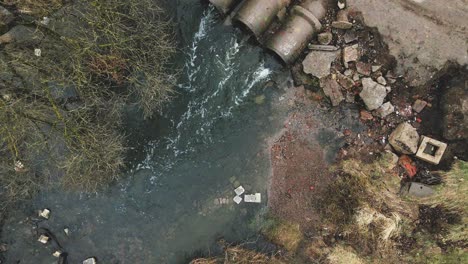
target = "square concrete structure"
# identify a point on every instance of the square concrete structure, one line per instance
(253, 198)
(431, 150)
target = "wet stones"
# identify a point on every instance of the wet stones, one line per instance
(332, 89)
(419, 105)
(404, 139)
(318, 63)
(373, 93)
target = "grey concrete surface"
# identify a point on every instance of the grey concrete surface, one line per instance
(422, 34)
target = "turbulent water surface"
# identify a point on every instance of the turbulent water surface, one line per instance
(211, 138)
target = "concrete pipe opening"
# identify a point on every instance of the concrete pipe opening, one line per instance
(224, 6)
(292, 38)
(257, 15)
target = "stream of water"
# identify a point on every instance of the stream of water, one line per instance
(212, 137)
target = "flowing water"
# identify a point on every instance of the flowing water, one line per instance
(210, 138)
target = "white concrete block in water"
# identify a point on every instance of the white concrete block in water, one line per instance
(57, 254)
(237, 199)
(253, 198)
(44, 213)
(239, 190)
(90, 261)
(43, 239)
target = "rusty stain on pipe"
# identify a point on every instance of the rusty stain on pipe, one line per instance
(289, 41)
(224, 6)
(257, 15)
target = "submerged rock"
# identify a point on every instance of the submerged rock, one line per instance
(373, 94)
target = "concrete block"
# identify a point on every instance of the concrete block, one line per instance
(404, 139)
(43, 239)
(420, 190)
(431, 150)
(90, 261)
(237, 199)
(253, 198)
(239, 190)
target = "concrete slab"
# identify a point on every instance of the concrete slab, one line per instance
(431, 150)
(253, 198)
(422, 34)
(420, 190)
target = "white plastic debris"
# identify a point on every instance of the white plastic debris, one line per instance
(57, 254)
(239, 190)
(37, 52)
(19, 166)
(253, 198)
(43, 239)
(45, 21)
(90, 261)
(237, 199)
(44, 213)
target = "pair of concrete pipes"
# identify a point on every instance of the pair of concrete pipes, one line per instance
(295, 33)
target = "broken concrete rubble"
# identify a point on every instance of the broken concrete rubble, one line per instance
(420, 190)
(363, 68)
(350, 53)
(385, 110)
(344, 81)
(90, 261)
(405, 139)
(318, 63)
(43, 239)
(332, 89)
(373, 94)
(431, 150)
(382, 80)
(419, 105)
(45, 213)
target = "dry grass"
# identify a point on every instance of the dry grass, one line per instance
(287, 235)
(344, 255)
(239, 255)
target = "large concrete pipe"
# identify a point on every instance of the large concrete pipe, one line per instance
(224, 6)
(289, 41)
(257, 15)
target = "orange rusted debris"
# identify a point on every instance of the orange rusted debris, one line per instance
(408, 164)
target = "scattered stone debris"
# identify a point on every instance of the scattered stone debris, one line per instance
(239, 190)
(405, 139)
(332, 89)
(365, 115)
(344, 81)
(363, 68)
(342, 21)
(350, 36)
(19, 166)
(325, 38)
(318, 63)
(420, 190)
(382, 80)
(45, 213)
(373, 94)
(91, 260)
(431, 150)
(237, 199)
(385, 110)
(375, 68)
(43, 239)
(419, 105)
(253, 198)
(350, 53)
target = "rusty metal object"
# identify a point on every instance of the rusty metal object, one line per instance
(224, 6)
(299, 30)
(257, 15)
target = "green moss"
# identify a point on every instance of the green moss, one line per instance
(285, 234)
